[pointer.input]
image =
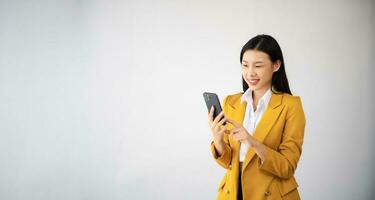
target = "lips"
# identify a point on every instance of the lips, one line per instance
(253, 81)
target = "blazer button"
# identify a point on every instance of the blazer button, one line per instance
(227, 191)
(268, 193)
(230, 166)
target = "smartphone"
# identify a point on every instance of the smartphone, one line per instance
(212, 99)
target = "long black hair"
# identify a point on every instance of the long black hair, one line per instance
(269, 45)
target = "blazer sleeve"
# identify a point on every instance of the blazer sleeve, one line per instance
(283, 162)
(223, 160)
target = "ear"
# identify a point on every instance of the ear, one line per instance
(276, 65)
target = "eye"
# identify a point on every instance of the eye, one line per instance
(258, 66)
(244, 65)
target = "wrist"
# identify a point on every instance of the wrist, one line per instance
(252, 142)
(219, 141)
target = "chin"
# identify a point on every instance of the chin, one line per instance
(255, 88)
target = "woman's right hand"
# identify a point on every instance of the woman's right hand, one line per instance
(217, 127)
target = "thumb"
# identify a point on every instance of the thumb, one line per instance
(233, 122)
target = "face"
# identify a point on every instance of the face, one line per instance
(257, 70)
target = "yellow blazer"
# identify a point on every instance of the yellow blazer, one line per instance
(281, 129)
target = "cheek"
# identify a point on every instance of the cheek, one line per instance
(265, 74)
(244, 73)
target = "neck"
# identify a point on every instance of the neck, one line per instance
(257, 94)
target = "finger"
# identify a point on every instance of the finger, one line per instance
(221, 122)
(235, 137)
(210, 114)
(211, 110)
(235, 124)
(216, 126)
(236, 129)
(222, 130)
(226, 129)
(218, 117)
(238, 137)
(233, 132)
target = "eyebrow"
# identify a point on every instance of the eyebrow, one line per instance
(254, 62)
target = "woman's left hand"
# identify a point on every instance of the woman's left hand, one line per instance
(239, 133)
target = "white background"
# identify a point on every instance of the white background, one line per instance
(103, 99)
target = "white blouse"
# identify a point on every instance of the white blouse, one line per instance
(251, 118)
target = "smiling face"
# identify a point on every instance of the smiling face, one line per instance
(257, 70)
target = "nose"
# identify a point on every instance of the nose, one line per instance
(250, 72)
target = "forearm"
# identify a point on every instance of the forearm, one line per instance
(259, 148)
(226, 155)
(281, 163)
(219, 147)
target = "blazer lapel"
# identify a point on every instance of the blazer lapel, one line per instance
(265, 124)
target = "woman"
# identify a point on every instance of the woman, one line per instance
(262, 143)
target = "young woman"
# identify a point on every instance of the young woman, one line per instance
(262, 143)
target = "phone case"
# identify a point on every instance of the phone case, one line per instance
(212, 99)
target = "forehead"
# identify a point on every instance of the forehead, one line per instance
(255, 56)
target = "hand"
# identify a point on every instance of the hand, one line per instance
(217, 127)
(239, 133)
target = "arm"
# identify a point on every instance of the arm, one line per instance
(221, 150)
(225, 158)
(283, 162)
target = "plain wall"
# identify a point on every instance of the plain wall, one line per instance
(103, 99)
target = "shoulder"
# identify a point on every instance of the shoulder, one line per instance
(232, 98)
(291, 100)
(288, 100)
(294, 106)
